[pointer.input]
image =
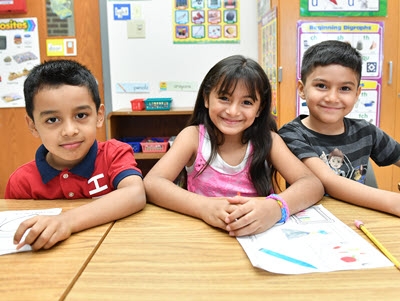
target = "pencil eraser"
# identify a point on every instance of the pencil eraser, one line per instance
(358, 223)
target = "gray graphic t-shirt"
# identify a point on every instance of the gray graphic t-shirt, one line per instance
(348, 153)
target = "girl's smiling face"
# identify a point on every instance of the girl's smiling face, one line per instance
(66, 121)
(233, 113)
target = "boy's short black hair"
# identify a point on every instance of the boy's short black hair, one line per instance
(331, 52)
(55, 73)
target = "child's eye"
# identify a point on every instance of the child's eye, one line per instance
(346, 89)
(248, 102)
(81, 115)
(320, 86)
(52, 120)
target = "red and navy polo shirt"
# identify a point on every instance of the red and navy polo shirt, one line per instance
(100, 172)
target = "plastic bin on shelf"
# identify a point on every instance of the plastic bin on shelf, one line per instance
(158, 104)
(138, 104)
(134, 142)
(154, 144)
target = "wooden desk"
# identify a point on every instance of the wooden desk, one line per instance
(161, 255)
(47, 274)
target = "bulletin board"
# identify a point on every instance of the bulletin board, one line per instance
(269, 53)
(337, 8)
(19, 53)
(202, 21)
(153, 65)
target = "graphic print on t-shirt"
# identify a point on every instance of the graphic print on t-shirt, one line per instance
(342, 166)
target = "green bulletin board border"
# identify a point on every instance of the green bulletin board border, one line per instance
(304, 12)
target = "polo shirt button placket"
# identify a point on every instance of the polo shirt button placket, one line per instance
(70, 194)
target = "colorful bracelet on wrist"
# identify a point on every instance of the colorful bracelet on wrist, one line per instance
(283, 205)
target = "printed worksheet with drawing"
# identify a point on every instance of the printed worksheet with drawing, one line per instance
(9, 223)
(313, 240)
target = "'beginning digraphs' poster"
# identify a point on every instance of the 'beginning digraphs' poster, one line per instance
(19, 53)
(366, 37)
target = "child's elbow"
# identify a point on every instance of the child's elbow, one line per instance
(135, 194)
(139, 200)
(150, 187)
(318, 186)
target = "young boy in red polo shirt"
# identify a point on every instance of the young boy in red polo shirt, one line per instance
(64, 110)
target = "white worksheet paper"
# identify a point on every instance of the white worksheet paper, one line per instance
(313, 240)
(9, 223)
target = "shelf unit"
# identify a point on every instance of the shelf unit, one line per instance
(128, 123)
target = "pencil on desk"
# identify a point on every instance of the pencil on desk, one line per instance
(360, 225)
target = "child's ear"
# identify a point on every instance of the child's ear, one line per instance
(206, 99)
(300, 89)
(206, 102)
(358, 91)
(31, 126)
(100, 116)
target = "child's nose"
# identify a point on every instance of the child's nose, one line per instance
(69, 128)
(332, 95)
(233, 109)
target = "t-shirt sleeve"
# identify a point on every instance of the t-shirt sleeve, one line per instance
(297, 141)
(122, 162)
(19, 185)
(386, 150)
(11, 189)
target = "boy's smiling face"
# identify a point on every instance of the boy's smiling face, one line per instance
(66, 121)
(331, 93)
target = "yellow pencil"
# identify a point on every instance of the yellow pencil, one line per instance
(360, 225)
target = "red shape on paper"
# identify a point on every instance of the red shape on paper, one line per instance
(348, 259)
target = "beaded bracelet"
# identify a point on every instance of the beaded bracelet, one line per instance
(284, 207)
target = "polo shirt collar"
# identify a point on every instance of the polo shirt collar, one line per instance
(84, 169)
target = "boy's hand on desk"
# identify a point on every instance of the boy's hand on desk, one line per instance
(44, 231)
(252, 216)
(215, 211)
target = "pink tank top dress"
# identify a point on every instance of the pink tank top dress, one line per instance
(219, 178)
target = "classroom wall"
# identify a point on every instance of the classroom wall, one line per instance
(155, 58)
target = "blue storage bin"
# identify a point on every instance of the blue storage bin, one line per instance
(134, 142)
(158, 104)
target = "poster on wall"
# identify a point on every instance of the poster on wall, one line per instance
(263, 6)
(206, 21)
(366, 37)
(268, 53)
(19, 53)
(338, 8)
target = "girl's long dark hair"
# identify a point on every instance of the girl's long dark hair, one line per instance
(224, 77)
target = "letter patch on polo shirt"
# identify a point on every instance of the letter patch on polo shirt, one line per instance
(96, 183)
